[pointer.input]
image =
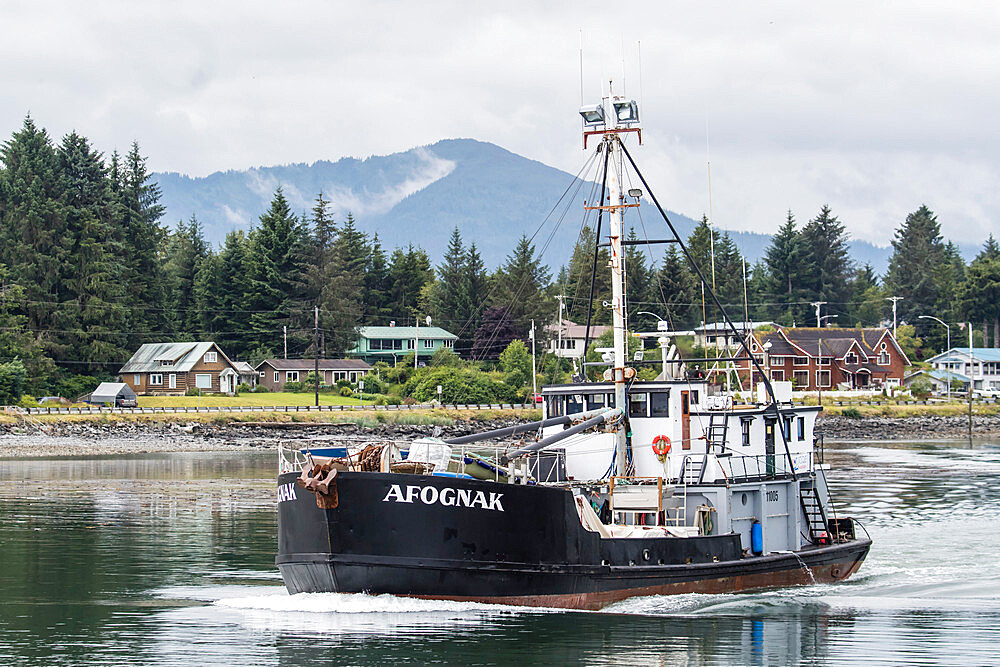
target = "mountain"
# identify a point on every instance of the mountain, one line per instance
(420, 195)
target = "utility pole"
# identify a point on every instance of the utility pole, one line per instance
(534, 384)
(559, 325)
(817, 305)
(284, 330)
(894, 299)
(416, 342)
(316, 350)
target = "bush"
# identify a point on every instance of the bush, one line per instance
(343, 383)
(75, 386)
(28, 401)
(243, 387)
(346, 391)
(194, 391)
(261, 389)
(851, 413)
(459, 385)
(293, 387)
(921, 388)
(374, 385)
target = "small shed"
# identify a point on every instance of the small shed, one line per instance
(117, 394)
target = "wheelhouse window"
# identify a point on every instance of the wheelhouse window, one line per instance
(745, 431)
(555, 406)
(659, 404)
(786, 428)
(638, 404)
(595, 401)
(574, 404)
(800, 423)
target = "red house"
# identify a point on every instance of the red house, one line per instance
(830, 358)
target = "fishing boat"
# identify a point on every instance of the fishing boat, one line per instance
(624, 488)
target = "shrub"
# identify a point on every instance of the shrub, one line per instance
(261, 389)
(193, 391)
(243, 387)
(381, 401)
(75, 386)
(28, 401)
(851, 413)
(346, 391)
(374, 385)
(921, 388)
(293, 386)
(343, 383)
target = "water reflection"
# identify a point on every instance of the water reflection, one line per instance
(168, 559)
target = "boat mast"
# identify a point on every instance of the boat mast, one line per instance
(613, 116)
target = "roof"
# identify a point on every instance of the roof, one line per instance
(310, 364)
(941, 375)
(573, 330)
(978, 353)
(405, 332)
(740, 326)
(182, 357)
(107, 392)
(242, 367)
(837, 341)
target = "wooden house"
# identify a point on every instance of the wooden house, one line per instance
(164, 369)
(828, 358)
(274, 373)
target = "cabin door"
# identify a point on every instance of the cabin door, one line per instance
(769, 444)
(685, 420)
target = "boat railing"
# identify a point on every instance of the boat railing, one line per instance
(763, 467)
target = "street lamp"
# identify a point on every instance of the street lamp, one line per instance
(661, 325)
(948, 331)
(826, 317)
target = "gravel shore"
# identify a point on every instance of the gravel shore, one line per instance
(96, 439)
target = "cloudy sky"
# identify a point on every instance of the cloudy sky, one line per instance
(872, 108)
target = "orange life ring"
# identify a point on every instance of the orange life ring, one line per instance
(661, 445)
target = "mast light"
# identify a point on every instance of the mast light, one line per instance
(626, 112)
(593, 114)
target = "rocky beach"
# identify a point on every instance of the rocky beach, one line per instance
(94, 438)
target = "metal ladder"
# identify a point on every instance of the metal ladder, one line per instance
(718, 429)
(815, 512)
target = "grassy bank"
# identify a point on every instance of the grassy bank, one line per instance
(860, 411)
(436, 417)
(245, 399)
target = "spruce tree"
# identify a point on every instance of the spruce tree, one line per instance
(343, 293)
(918, 251)
(185, 250)
(782, 277)
(827, 266)
(679, 287)
(520, 289)
(375, 299)
(640, 285)
(575, 281)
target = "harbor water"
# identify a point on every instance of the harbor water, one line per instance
(168, 559)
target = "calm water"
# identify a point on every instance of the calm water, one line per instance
(168, 559)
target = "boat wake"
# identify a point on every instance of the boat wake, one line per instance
(358, 603)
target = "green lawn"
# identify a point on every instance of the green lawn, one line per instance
(274, 398)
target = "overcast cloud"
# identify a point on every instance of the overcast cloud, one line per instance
(872, 108)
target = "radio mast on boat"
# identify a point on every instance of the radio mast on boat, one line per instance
(614, 116)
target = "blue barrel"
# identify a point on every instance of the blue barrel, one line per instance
(756, 538)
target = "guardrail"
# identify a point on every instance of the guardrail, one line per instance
(97, 410)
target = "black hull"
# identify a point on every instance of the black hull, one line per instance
(533, 552)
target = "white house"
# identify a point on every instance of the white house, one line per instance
(569, 345)
(719, 335)
(982, 365)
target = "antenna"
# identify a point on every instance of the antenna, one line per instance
(642, 102)
(624, 87)
(581, 66)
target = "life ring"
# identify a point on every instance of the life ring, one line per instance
(661, 446)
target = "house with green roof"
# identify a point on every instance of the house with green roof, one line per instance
(392, 343)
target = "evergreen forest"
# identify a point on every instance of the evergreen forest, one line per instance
(90, 270)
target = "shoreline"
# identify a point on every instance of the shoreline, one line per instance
(130, 437)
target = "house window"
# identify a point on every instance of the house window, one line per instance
(428, 343)
(291, 376)
(851, 358)
(778, 376)
(637, 404)
(277, 376)
(211, 357)
(449, 343)
(164, 362)
(203, 380)
(659, 404)
(801, 379)
(825, 361)
(745, 430)
(136, 379)
(801, 361)
(800, 423)
(777, 361)
(156, 378)
(262, 373)
(823, 378)
(172, 381)
(339, 375)
(883, 358)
